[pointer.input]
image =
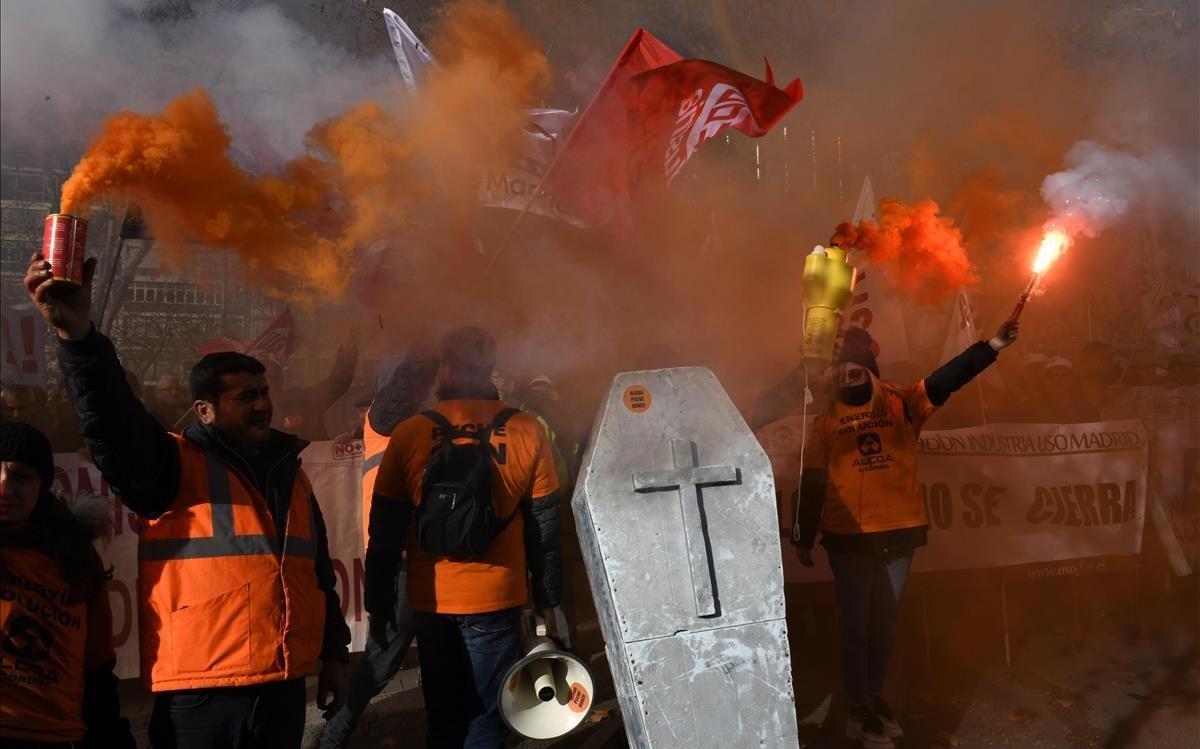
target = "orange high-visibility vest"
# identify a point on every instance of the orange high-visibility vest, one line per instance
(223, 600)
(374, 446)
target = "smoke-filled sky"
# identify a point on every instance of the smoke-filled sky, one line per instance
(972, 105)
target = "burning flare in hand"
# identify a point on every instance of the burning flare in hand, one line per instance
(1053, 245)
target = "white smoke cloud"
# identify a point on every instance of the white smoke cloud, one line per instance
(1100, 185)
(65, 65)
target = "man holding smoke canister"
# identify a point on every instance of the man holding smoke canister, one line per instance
(859, 484)
(236, 594)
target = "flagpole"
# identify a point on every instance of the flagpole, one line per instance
(528, 204)
(633, 41)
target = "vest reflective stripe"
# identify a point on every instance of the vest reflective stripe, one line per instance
(224, 542)
(163, 549)
(371, 463)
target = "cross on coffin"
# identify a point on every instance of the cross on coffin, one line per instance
(689, 479)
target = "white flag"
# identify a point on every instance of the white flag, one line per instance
(542, 135)
(866, 204)
(963, 333)
(411, 54)
(873, 307)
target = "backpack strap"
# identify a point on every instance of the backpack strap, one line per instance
(502, 418)
(447, 428)
(485, 437)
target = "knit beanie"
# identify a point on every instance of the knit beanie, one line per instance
(21, 443)
(859, 348)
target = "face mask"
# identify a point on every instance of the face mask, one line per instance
(855, 395)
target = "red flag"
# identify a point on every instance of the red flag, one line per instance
(275, 344)
(278, 341)
(649, 116)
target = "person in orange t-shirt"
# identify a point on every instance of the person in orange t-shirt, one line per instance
(467, 611)
(859, 483)
(56, 666)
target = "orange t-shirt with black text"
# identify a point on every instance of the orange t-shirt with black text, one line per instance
(49, 640)
(871, 459)
(524, 468)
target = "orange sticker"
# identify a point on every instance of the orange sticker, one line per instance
(578, 699)
(637, 399)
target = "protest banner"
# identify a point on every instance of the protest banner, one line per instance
(1006, 494)
(22, 345)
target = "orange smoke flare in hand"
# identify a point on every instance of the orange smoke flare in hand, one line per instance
(921, 249)
(363, 173)
(1054, 244)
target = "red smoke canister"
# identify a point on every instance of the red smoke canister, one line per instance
(63, 244)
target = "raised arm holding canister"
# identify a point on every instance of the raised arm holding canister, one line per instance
(237, 588)
(859, 485)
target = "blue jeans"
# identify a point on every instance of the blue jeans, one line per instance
(868, 595)
(463, 661)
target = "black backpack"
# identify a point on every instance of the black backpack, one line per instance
(456, 517)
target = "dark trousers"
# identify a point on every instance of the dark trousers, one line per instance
(463, 661)
(267, 715)
(372, 673)
(868, 595)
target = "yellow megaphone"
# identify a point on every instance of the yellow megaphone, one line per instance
(828, 284)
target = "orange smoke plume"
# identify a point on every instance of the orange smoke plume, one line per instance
(988, 209)
(921, 250)
(363, 174)
(176, 166)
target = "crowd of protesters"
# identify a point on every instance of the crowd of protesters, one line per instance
(232, 539)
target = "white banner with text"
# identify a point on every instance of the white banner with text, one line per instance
(1004, 495)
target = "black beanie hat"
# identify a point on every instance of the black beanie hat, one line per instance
(21, 443)
(859, 348)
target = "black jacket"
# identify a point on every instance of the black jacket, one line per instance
(140, 459)
(939, 386)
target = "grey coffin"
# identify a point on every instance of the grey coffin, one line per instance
(676, 512)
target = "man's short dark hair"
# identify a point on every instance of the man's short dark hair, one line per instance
(469, 351)
(206, 374)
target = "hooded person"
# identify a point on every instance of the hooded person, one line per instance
(57, 662)
(859, 485)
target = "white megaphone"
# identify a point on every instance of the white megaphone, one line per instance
(547, 693)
